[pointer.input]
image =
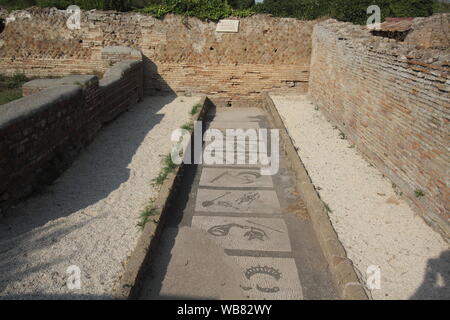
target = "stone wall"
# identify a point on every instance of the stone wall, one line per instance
(181, 54)
(392, 100)
(43, 132)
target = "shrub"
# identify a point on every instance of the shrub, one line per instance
(441, 7)
(301, 9)
(356, 10)
(344, 10)
(119, 5)
(202, 9)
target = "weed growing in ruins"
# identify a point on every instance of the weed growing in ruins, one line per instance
(195, 109)
(188, 126)
(148, 212)
(11, 87)
(168, 167)
(419, 193)
(77, 83)
(327, 207)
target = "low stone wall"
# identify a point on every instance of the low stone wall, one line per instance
(43, 132)
(392, 100)
(182, 55)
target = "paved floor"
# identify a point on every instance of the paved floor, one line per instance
(236, 234)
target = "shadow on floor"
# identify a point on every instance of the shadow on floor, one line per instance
(436, 283)
(101, 169)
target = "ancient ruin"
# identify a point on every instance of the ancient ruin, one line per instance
(387, 92)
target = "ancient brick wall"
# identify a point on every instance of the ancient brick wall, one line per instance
(181, 54)
(392, 100)
(43, 132)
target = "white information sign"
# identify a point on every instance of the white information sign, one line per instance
(227, 25)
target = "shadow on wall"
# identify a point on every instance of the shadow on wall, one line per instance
(436, 283)
(154, 84)
(39, 222)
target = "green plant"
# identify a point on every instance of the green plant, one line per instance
(419, 193)
(195, 109)
(11, 87)
(202, 9)
(10, 95)
(342, 135)
(188, 126)
(356, 10)
(327, 207)
(16, 81)
(441, 7)
(301, 9)
(145, 215)
(168, 167)
(118, 5)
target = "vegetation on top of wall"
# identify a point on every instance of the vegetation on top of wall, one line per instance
(356, 10)
(345, 10)
(441, 7)
(202, 9)
(11, 87)
(118, 5)
(300, 9)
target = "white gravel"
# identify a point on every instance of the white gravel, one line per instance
(88, 216)
(376, 226)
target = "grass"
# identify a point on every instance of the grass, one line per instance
(11, 87)
(419, 193)
(327, 207)
(439, 7)
(195, 109)
(188, 126)
(148, 212)
(9, 95)
(168, 167)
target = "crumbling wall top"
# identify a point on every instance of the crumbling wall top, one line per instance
(361, 38)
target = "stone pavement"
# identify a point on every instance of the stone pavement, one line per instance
(236, 234)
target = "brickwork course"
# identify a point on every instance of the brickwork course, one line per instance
(181, 54)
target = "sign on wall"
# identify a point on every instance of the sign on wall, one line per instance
(228, 25)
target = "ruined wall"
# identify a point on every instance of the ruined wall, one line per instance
(43, 132)
(181, 54)
(392, 100)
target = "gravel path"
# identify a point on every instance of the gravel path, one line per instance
(376, 226)
(88, 216)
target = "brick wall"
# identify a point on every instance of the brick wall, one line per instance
(43, 132)
(181, 54)
(392, 100)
